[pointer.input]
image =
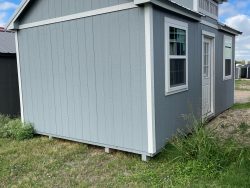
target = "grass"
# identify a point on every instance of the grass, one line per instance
(243, 85)
(240, 106)
(197, 160)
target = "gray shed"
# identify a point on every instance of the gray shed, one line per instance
(9, 92)
(122, 73)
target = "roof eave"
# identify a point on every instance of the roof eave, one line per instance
(11, 24)
(228, 29)
(174, 7)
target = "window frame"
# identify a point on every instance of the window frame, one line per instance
(179, 25)
(227, 38)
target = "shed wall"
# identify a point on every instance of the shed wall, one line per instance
(46, 9)
(186, 3)
(224, 89)
(171, 110)
(9, 91)
(85, 79)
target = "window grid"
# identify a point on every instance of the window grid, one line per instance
(176, 71)
(209, 6)
(206, 59)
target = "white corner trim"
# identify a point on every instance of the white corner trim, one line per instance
(80, 15)
(19, 76)
(150, 78)
(196, 5)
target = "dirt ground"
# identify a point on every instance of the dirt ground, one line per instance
(242, 96)
(233, 123)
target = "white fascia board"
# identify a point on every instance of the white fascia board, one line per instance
(95, 12)
(10, 25)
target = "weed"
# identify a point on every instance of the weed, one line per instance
(15, 129)
(243, 127)
(239, 106)
(205, 152)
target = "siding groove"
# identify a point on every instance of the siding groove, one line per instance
(92, 80)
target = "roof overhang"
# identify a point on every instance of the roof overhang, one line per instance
(224, 27)
(172, 6)
(220, 1)
(11, 24)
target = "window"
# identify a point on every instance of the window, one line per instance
(208, 7)
(176, 58)
(227, 60)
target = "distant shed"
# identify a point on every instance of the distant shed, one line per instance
(9, 92)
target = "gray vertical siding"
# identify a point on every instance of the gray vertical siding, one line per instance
(45, 9)
(85, 79)
(169, 110)
(9, 91)
(224, 89)
(185, 3)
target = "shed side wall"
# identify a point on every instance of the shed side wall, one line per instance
(46, 9)
(224, 89)
(85, 79)
(169, 110)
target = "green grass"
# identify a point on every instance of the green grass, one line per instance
(243, 85)
(239, 106)
(197, 160)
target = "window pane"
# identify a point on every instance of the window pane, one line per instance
(177, 72)
(228, 67)
(177, 41)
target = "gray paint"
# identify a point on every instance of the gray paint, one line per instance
(7, 43)
(45, 9)
(186, 3)
(85, 80)
(9, 91)
(169, 110)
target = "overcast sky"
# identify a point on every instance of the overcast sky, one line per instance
(235, 13)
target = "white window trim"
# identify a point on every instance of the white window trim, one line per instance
(180, 25)
(226, 37)
(211, 36)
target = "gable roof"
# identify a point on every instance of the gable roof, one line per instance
(168, 4)
(7, 43)
(22, 6)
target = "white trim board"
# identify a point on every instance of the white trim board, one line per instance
(95, 12)
(168, 22)
(19, 76)
(150, 78)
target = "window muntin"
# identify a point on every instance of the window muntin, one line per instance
(177, 38)
(176, 61)
(227, 60)
(209, 7)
